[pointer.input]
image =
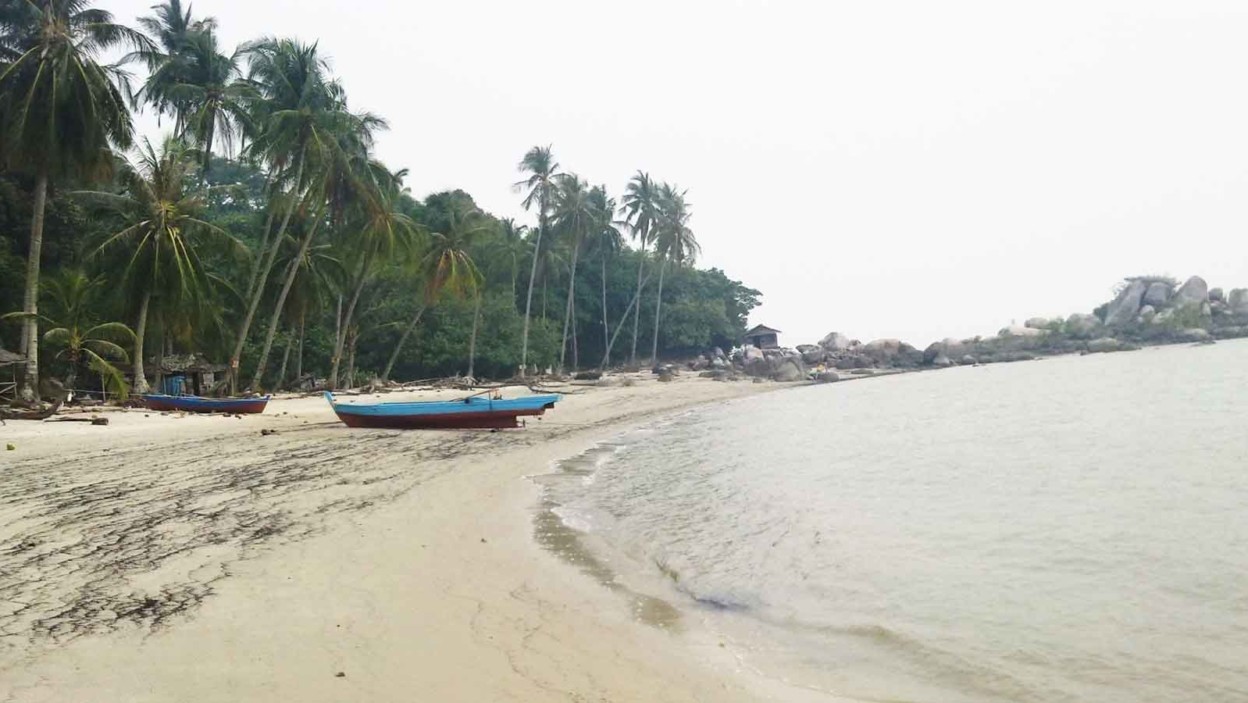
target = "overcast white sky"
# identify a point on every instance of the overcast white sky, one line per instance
(884, 169)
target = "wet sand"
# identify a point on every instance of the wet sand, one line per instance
(190, 558)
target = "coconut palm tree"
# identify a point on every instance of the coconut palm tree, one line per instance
(71, 297)
(300, 119)
(640, 207)
(377, 230)
(60, 111)
(513, 246)
(447, 268)
(542, 168)
(605, 237)
(163, 237)
(674, 243)
(191, 79)
(573, 215)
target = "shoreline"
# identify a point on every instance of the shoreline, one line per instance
(264, 567)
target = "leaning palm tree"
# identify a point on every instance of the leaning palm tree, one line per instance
(299, 118)
(540, 164)
(377, 231)
(573, 215)
(640, 208)
(163, 238)
(513, 247)
(674, 243)
(60, 110)
(447, 268)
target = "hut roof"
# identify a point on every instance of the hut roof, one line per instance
(187, 363)
(761, 329)
(8, 357)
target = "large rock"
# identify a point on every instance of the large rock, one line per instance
(1194, 292)
(893, 352)
(1157, 295)
(1104, 344)
(950, 347)
(1083, 326)
(1147, 313)
(1126, 306)
(1016, 331)
(1041, 323)
(789, 369)
(752, 353)
(1238, 301)
(1195, 334)
(942, 362)
(835, 341)
(1216, 295)
(828, 377)
(814, 357)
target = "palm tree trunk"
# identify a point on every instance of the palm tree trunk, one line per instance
(263, 278)
(281, 373)
(606, 327)
(528, 300)
(291, 273)
(472, 341)
(264, 249)
(641, 265)
(567, 313)
(140, 332)
(341, 340)
(658, 309)
(636, 301)
(394, 356)
(355, 337)
(30, 323)
(303, 315)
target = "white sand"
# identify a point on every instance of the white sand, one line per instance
(166, 558)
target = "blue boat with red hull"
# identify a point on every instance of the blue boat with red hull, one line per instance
(474, 412)
(196, 404)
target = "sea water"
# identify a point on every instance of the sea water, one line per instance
(1073, 529)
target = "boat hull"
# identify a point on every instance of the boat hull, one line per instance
(194, 404)
(473, 413)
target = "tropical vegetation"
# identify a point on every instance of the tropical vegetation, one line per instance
(263, 232)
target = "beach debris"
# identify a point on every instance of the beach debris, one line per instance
(266, 433)
(340, 675)
(482, 540)
(10, 447)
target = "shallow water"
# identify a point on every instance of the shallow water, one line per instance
(1074, 529)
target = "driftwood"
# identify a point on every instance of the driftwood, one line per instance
(37, 415)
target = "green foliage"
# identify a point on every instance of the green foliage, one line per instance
(196, 227)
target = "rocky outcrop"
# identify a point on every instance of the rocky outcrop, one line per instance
(893, 353)
(836, 342)
(1083, 326)
(1158, 294)
(828, 377)
(1194, 292)
(1028, 331)
(1216, 295)
(1126, 306)
(1238, 300)
(788, 369)
(1103, 345)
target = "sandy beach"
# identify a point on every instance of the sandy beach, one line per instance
(167, 557)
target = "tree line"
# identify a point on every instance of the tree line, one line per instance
(264, 232)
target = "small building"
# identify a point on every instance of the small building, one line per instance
(10, 363)
(763, 337)
(185, 374)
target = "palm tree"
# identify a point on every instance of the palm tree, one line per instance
(380, 230)
(60, 110)
(191, 79)
(540, 164)
(320, 274)
(72, 297)
(640, 212)
(674, 242)
(163, 235)
(607, 242)
(512, 246)
(573, 215)
(446, 267)
(300, 117)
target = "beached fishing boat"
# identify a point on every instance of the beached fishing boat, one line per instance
(474, 412)
(195, 404)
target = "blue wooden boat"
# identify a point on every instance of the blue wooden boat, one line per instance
(195, 404)
(474, 412)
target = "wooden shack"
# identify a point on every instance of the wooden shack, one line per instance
(10, 366)
(763, 337)
(186, 374)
